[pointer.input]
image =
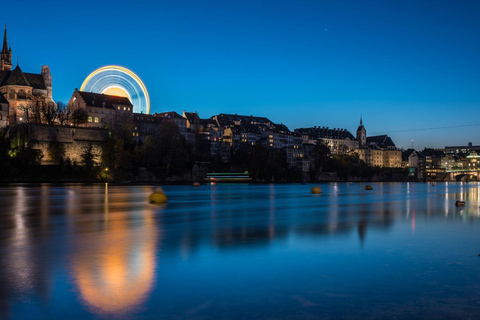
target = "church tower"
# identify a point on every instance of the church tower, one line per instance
(361, 135)
(6, 55)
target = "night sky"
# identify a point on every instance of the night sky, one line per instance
(402, 65)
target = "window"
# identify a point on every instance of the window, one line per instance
(96, 119)
(0, 116)
(89, 119)
(12, 94)
(124, 108)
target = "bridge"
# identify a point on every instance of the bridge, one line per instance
(462, 175)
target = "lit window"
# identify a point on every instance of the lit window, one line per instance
(96, 119)
(89, 119)
(124, 108)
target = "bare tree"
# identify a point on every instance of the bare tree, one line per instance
(79, 116)
(63, 113)
(49, 112)
(27, 112)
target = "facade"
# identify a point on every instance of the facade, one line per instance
(339, 141)
(23, 91)
(102, 109)
(180, 121)
(377, 151)
(145, 125)
(462, 149)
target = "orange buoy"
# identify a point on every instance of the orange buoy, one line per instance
(316, 190)
(158, 196)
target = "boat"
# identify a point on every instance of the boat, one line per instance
(228, 177)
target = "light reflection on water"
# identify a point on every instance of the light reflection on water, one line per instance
(240, 252)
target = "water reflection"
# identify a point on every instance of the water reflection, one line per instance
(108, 244)
(114, 268)
(114, 252)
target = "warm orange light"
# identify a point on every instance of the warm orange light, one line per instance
(115, 270)
(116, 91)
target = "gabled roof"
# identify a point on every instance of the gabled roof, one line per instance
(227, 119)
(433, 152)
(18, 77)
(407, 153)
(169, 115)
(36, 80)
(325, 132)
(382, 141)
(100, 100)
(146, 118)
(281, 128)
(206, 122)
(192, 117)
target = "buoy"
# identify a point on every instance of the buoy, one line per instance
(368, 187)
(196, 184)
(316, 190)
(460, 203)
(158, 196)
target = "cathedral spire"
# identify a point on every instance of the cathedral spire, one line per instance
(5, 46)
(361, 122)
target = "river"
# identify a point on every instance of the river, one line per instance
(227, 251)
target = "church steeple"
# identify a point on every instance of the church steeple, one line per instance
(6, 55)
(361, 135)
(5, 45)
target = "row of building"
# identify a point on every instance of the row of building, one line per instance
(438, 164)
(19, 90)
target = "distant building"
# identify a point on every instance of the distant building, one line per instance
(145, 125)
(180, 121)
(462, 149)
(102, 109)
(377, 151)
(340, 141)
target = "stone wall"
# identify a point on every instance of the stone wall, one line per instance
(74, 139)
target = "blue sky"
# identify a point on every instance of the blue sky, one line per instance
(401, 64)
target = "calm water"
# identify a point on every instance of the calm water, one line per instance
(240, 252)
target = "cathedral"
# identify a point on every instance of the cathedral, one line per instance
(19, 90)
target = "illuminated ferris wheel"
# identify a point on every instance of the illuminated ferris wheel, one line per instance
(119, 81)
